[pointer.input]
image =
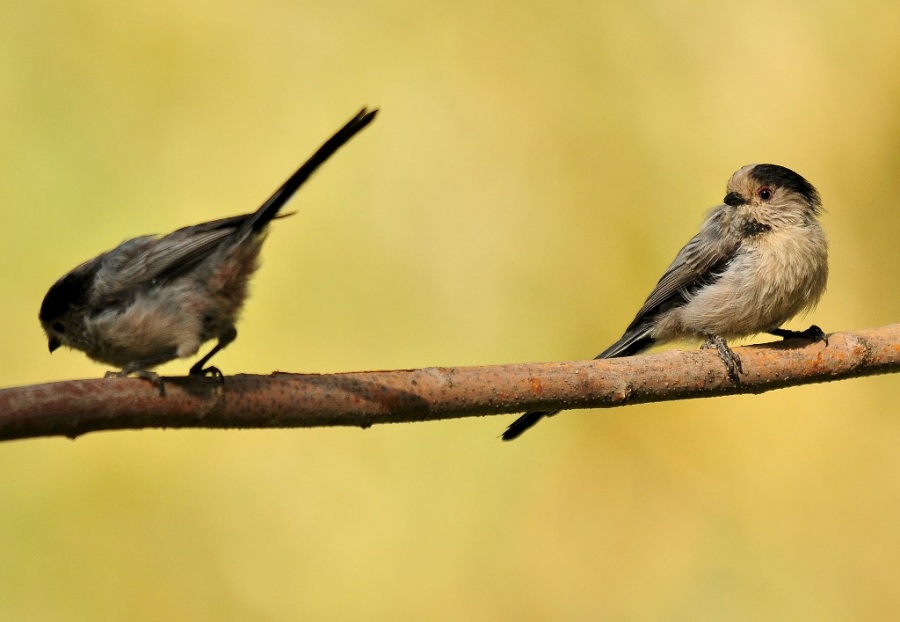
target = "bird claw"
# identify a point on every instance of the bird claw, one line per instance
(732, 361)
(813, 334)
(203, 372)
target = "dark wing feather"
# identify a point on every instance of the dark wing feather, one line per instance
(176, 253)
(699, 263)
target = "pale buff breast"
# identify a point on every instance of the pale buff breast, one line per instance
(153, 328)
(776, 276)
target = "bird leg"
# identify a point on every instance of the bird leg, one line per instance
(729, 357)
(224, 340)
(813, 334)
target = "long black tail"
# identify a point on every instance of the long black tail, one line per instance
(632, 342)
(270, 208)
(518, 427)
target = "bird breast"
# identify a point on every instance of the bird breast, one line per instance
(775, 275)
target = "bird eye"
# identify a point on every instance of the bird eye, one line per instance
(765, 193)
(58, 327)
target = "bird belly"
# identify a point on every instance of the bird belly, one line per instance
(150, 330)
(774, 277)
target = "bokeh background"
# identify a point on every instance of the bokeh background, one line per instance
(534, 168)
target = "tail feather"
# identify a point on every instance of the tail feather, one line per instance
(271, 207)
(631, 343)
(524, 423)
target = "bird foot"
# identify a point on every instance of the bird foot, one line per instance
(813, 334)
(198, 371)
(729, 357)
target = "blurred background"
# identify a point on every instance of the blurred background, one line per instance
(534, 168)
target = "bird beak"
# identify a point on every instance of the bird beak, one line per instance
(53, 343)
(734, 199)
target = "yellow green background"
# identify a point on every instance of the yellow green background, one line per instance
(534, 168)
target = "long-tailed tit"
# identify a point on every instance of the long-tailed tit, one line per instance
(759, 259)
(153, 299)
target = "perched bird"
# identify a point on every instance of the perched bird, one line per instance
(759, 259)
(152, 299)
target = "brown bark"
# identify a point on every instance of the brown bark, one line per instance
(361, 399)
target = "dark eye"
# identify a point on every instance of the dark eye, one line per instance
(765, 193)
(58, 327)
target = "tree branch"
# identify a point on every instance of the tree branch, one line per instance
(364, 398)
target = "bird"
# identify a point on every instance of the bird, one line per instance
(759, 259)
(153, 299)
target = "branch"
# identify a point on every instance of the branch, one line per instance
(364, 398)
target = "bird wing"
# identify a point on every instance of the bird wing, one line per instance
(702, 260)
(177, 252)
